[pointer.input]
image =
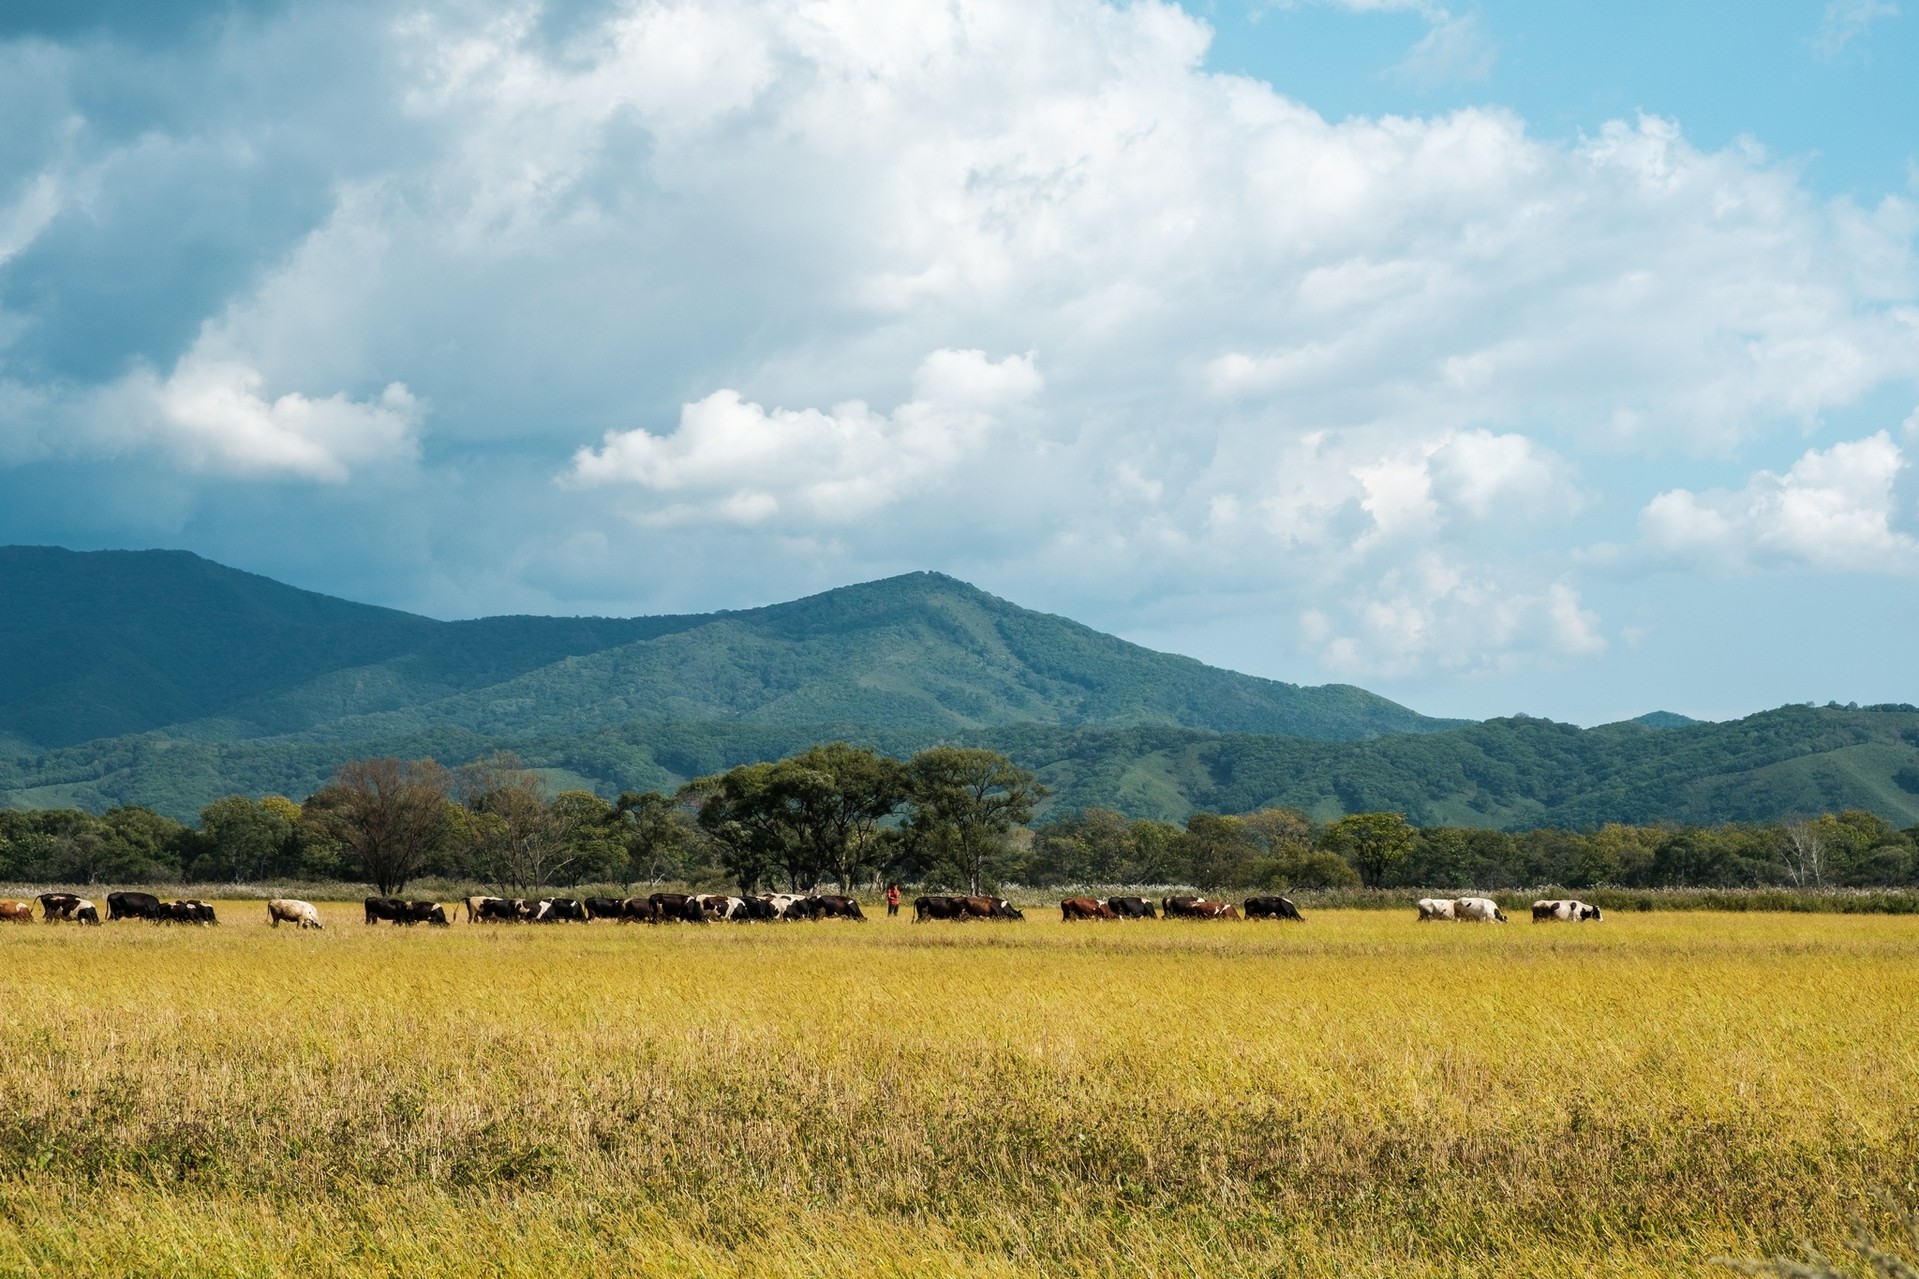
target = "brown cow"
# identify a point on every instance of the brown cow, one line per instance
(1073, 908)
(989, 908)
(1199, 908)
(16, 912)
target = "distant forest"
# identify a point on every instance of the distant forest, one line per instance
(945, 817)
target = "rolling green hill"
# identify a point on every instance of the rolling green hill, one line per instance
(162, 679)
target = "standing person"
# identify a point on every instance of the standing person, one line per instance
(892, 899)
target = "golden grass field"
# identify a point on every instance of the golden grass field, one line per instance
(1358, 1095)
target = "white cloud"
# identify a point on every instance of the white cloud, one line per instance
(1833, 510)
(733, 461)
(1457, 50)
(1846, 20)
(1377, 370)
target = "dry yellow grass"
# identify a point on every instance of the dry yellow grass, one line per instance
(1358, 1095)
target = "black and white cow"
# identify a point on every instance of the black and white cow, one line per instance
(1568, 911)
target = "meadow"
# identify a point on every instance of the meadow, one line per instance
(1357, 1095)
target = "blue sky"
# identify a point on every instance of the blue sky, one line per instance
(1559, 358)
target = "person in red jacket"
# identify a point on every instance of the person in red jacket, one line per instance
(892, 899)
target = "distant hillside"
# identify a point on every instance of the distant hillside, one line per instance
(98, 647)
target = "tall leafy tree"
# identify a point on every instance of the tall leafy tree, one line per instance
(655, 836)
(967, 799)
(391, 815)
(516, 839)
(1372, 842)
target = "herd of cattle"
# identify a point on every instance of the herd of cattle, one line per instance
(701, 908)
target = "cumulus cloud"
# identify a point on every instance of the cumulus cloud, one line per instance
(734, 461)
(1833, 510)
(1390, 373)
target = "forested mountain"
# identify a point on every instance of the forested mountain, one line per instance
(161, 679)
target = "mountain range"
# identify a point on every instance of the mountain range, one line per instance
(160, 678)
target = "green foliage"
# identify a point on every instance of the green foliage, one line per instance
(964, 803)
(1373, 842)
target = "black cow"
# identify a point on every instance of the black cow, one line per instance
(673, 906)
(1132, 907)
(426, 913)
(636, 908)
(391, 909)
(759, 910)
(133, 906)
(559, 910)
(605, 908)
(190, 911)
(832, 907)
(925, 908)
(1272, 908)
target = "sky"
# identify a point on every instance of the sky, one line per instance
(1558, 358)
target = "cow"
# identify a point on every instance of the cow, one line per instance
(785, 905)
(1571, 911)
(1197, 908)
(1478, 910)
(1073, 908)
(1272, 908)
(427, 913)
(758, 910)
(482, 909)
(1131, 907)
(718, 906)
(1431, 908)
(671, 906)
(55, 907)
(989, 908)
(391, 909)
(288, 910)
(133, 906)
(831, 906)
(560, 910)
(85, 912)
(16, 912)
(636, 908)
(190, 911)
(925, 908)
(605, 908)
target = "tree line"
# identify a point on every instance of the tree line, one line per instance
(947, 817)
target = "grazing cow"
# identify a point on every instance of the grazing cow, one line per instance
(636, 908)
(671, 906)
(190, 911)
(925, 908)
(1478, 910)
(479, 909)
(132, 906)
(1570, 911)
(87, 913)
(605, 908)
(785, 905)
(560, 910)
(16, 912)
(1437, 908)
(1197, 908)
(718, 906)
(1073, 908)
(391, 909)
(288, 910)
(1131, 907)
(758, 909)
(832, 906)
(989, 908)
(1272, 908)
(55, 907)
(427, 913)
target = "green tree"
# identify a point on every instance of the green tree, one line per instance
(1372, 842)
(964, 802)
(654, 832)
(1218, 852)
(516, 840)
(247, 841)
(390, 815)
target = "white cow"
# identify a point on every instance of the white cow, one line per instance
(1479, 910)
(298, 913)
(1572, 911)
(1436, 908)
(719, 906)
(783, 903)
